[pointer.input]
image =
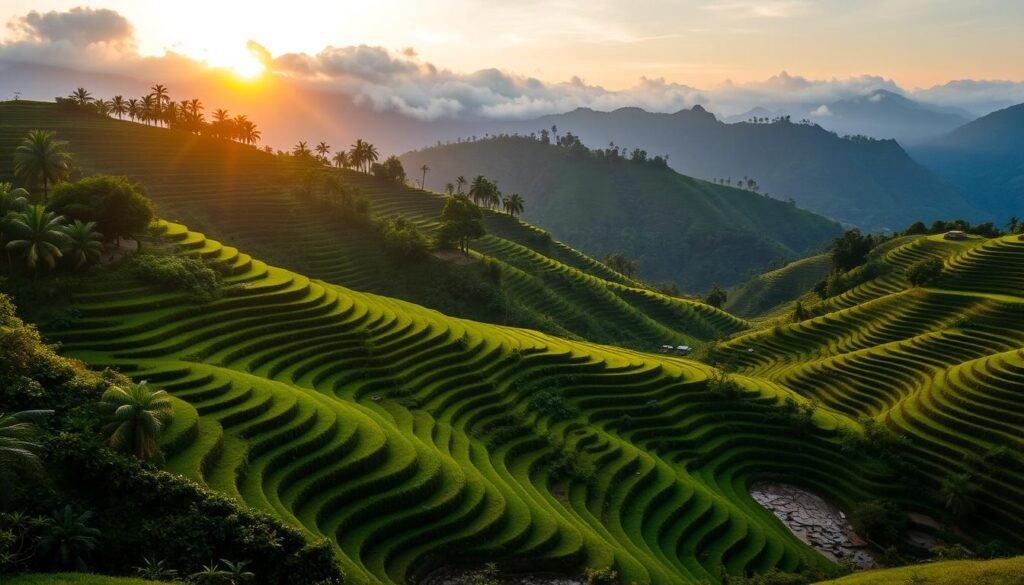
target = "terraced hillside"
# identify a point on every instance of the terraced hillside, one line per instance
(767, 291)
(242, 195)
(415, 441)
(942, 366)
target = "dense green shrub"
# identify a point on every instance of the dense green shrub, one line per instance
(551, 402)
(178, 273)
(883, 523)
(603, 576)
(391, 170)
(924, 272)
(402, 240)
(119, 207)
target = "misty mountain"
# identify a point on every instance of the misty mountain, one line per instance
(879, 114)
(679, 229)
(985, 159)
(872, 184)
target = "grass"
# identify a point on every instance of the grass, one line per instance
(994, 572)
(239, 194)
(412, 439)
(941, 366)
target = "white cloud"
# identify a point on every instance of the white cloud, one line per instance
(821, 111)
(758, 8)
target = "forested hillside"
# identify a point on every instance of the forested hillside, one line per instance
(679, 229)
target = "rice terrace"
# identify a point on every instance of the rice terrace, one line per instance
(453, 334)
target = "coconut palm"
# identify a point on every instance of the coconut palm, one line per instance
(84, 243)
(12, 202)
(39, 235)
(423, 179)
(103, 107)
(81, 96)
(460, 183)
(136, 416)
(300, 148)
(371, 156)
(41, 158)
(118, 106)
(956, 492)
(18, 450)
(322, 149)
(248, 133)
(513, 204)
(341, 159)
(148, 109)
(134, 109)
(160, 95)
(66, 538)
(449, 188)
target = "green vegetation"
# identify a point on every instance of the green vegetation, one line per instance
(994, 572)
(678, 229)
(296, 212)
(74, 579)
(764, 292)
(928, 374)
(409, 439)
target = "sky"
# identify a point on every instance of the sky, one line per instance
(531, 57)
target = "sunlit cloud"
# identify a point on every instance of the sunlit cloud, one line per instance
(759, 9)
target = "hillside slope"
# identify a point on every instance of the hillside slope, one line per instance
(771, 289)
(415, 441)
(985, 159)
(870, 184)
(941, 366)
(680, 229)
(246, 196)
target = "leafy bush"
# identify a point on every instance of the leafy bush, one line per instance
(119, 207)
(924, 272)
(604, 576)
(772, 577)
(551, 402)
(884, 523)
(178, 273)
(391, 170)
(403, 241)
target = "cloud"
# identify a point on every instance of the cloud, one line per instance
(821, 111)
(977, 96)
(400, 82)
(79, 27)
(759, 8)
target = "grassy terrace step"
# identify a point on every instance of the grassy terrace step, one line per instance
(240, 194)
(941, 366)
(410, 439)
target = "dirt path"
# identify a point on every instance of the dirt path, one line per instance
(815, 521)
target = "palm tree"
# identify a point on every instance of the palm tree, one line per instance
(66, 538)
(134, 109)
(357, 155)
(103, 107)
(513, 204)
(956, 494)
(460, 183)
(423, 180)
(249, 134)
(1013, 224)
(148, 109)
(12, 202)
(84, 242)
(322, 149)
(161, 96)
(41, 158)
(136, 417)
(300, 148)
(81, 96)
(341, 159)
(482, 190)
(118, 106)
(449, 188)
(40, 235)
(18, 449)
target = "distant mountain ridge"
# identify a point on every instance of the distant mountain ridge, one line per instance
(680, 229)
(985, 160)
(880, 114)
(872, 184)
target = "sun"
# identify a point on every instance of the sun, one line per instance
(246, 66)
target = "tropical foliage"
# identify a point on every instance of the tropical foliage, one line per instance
(42, 160)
